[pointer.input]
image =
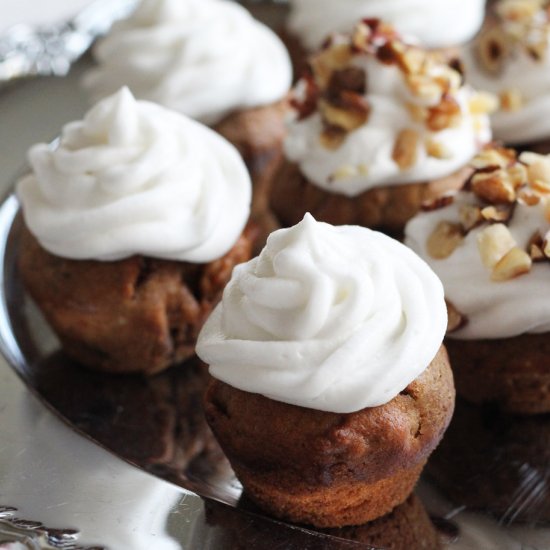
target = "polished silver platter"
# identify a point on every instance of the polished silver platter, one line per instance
(133, 466)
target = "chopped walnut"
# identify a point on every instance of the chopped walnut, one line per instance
(456, 320)
(344, 172)
(494, 242)
(350, 112)
(492, 49)
(437, 149)
(511, 100)
(535, 247)
(494, 157)
(444, 240)
(337, 87)
(445, 115)
(405, 150)
(517, 25)
(437, 203)
(332, 137)
(499, 182)
(470, 216)
(513, 264)
(494, 214)
(494, 187)
(482, 103)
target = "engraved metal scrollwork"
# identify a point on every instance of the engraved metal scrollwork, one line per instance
(21, 534)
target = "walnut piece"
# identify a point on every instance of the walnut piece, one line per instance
(456, 320)
(405, 150)
(514, 263)
(494, 242)
(494, 187)
(444, 240)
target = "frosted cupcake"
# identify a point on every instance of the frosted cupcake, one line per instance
(434, 24)
(489, 246)
(330, 385)
(210, 60)
(379, 127)
(511, 58)
(134, 220)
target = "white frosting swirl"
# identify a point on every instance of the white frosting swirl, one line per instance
(436, 24)
(493, 309)
(329, 318)
(135, 178)
(203, 58)
(531, 78)
(371, 145)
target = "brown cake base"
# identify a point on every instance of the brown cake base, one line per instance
(134, 315)
(328, 469)
(258, 134)
(542, 147)
(385, 208)
(514, 372)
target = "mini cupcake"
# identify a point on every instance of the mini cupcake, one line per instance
(489, 246)
(511, 58)
(435, 24)
(210, 60)
(330, 385)
(134, 220)
(380, 126)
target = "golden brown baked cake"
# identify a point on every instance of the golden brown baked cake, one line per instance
(134, 315)
(384, 208)
(258, 134)
(327, 469)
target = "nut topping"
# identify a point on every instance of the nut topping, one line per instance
(444, 240)
(494, 187)
(515, 263)
(405, 151)
(456, 320)
(494, 242)
(337, 88)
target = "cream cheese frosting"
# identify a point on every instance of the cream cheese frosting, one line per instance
(511, 58)
(329, 318)
(498, 273)
(135, 178)
(436, 24)
(404, 92)
(203, 58)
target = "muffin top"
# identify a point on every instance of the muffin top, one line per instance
(376, 111)
(511, 58)
(134, 178)
(203, 58)
(329, 318)
(489, 244)
(436, 23)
